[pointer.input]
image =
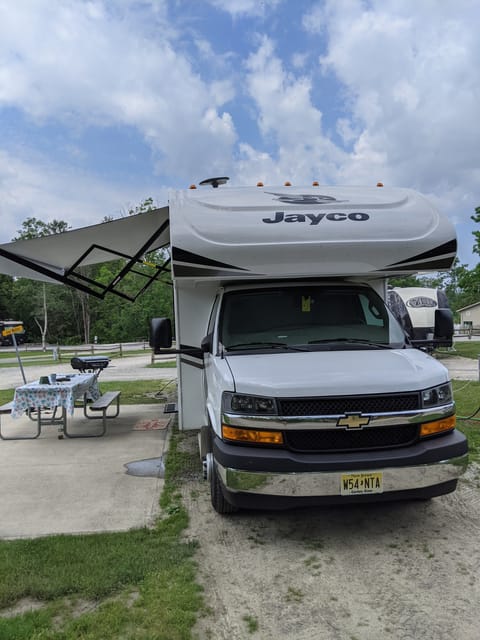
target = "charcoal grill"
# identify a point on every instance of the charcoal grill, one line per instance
(90, 364)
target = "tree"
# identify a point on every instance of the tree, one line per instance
(6, 283)
(405, 281)
(34, 228)
(476, 234)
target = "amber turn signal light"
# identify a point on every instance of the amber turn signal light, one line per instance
(252, 436)
(437, 426)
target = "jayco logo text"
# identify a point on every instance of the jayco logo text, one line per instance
(315, 218)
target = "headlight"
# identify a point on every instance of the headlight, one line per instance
(437, 396)
(253, 405)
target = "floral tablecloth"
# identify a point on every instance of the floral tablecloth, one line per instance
(61, 394)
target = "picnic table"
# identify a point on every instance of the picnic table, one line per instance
(49, 400)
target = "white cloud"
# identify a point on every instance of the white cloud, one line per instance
(38, 188)
(410, 71)
(245, 7)
(86, 64)
(288, 119)
(299, 60)
(314, 21)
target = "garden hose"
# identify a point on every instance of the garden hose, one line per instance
(470, 417)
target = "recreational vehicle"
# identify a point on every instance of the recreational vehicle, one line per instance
(304, 387)
(414, 308)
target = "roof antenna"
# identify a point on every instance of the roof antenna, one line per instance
(215, 181)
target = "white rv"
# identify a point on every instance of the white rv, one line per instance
(303, 385)
(414, 308)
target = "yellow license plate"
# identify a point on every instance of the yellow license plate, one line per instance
(353, 484)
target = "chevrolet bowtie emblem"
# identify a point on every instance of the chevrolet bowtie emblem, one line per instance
(353, 421)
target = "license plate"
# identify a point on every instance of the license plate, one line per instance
(353, 484)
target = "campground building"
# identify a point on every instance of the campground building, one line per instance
(470, 316)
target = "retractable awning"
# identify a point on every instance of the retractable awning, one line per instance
(62, 258)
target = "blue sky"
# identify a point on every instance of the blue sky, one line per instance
(104, 103)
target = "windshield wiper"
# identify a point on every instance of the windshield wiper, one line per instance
(263, 345)
(368, 343)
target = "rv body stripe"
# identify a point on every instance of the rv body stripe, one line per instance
(445, 263)
(187, 257)
(191, 359)
(197, 365)
(191, 351)
(449, 248)
(182, 271)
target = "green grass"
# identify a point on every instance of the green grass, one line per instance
(466, 349)
(166, 364)
(35, 358)
(467, 398)
(134, 585)
(133, 391)
(251, 622)
(140, 391)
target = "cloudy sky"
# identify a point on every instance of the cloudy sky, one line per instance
(104, 103)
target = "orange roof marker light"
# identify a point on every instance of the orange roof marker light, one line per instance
(379, 184)
(287, 184)
(315, 183)
(192, 186)
(260, 184)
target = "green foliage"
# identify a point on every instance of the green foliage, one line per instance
(34, 228)
(406, 281)
(6, 284)
(144, 207)
(476, 234)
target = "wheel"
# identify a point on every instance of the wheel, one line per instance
(219, 503)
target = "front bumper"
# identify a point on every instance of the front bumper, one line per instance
(432, 467)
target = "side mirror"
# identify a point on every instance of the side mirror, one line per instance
(207, 343)
(160, 334)
(443, 324)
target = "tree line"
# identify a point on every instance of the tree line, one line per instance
(59, 314)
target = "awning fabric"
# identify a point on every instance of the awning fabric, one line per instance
(61, 258)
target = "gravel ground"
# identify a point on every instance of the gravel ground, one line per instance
(392, 571)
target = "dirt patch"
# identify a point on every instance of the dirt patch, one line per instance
(406, 570)
(25, 605)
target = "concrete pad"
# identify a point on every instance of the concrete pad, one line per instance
(52, 486)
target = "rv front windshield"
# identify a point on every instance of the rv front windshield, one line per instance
(308, 316)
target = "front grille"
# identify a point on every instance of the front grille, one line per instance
(339, 405)
(338, 439)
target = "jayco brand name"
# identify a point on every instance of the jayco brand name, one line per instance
(315, 218)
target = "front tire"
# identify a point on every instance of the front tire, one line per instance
(219, 503)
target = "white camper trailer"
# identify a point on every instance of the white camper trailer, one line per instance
(414, 308)
(304, 386)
